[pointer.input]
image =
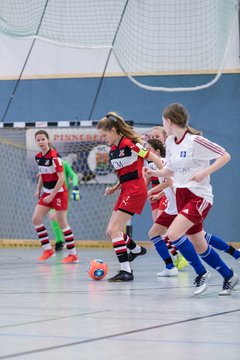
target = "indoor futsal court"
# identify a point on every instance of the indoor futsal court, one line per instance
(65, 66)
(51, 310)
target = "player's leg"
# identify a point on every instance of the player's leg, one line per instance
(115, 228)
(72, 257)
(212, 258)
(57, 231)
(135, 249)
(221, 245)
(175, 234)
(39, 213)
(155, 235)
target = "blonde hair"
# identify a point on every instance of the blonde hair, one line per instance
(161, 130)
(113, 120)
(178, 115)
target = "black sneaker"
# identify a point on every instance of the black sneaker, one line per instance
(122, 275)
(59, 246)
(132, 256)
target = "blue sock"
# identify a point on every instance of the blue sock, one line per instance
(211, 257)
(219, 244)
(186, 248)
(162, 250)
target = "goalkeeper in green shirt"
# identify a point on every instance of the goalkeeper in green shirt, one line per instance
(73, 193)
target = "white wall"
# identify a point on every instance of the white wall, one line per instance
(48, 60)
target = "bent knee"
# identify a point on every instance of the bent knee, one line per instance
(151, 234)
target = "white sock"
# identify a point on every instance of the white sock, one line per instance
(72, 251)
(136, 250)
(125, 266)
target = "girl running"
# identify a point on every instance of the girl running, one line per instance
(188, 157)
(159, 203)
(127, 157)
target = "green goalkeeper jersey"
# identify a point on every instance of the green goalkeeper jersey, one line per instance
(69, 174)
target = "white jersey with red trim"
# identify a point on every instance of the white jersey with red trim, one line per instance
(127, 159)
(49, 165)
(188, 156)
(171, 208)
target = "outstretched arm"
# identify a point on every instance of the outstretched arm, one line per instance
(218, 164)
(164, 172)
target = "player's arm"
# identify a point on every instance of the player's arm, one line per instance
(58, 185)
(164, 172)
(160, 187)
(216, 165)
(74, 177)
(146, 154)
(156, 197)
(39, 186)
(71, 174)
(156, 159)
(111, 189)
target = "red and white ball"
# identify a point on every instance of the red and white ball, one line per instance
(97, 269)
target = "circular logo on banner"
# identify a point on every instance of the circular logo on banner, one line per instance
(98, 160)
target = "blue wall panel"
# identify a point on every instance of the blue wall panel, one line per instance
(216, 111)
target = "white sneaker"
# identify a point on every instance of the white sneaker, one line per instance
(201, 282)
(168, 272)
(228, 285)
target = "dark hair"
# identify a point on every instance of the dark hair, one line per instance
(113, 120)
(178, 115)
(156, 144)
(43, 132)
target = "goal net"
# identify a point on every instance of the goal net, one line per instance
(149, 38)
(83, 148)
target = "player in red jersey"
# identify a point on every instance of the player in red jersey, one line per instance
(188, 157)
(54, 196)
(127, 156)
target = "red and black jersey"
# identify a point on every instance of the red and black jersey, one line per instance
(49, 165)
(127, 159)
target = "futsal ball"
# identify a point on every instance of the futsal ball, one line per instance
(97, 269)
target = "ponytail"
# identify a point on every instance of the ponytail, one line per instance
(113, 120)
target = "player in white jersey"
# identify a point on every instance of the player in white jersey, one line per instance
(188, 157)
(158, 201)
(173, 259)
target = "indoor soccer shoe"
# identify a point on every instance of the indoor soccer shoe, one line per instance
(46, 255)
(132, 256)
(70, 259)
(201, 283)
(168, 272)
(229, 284)
(180, 262)
(122, 275)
